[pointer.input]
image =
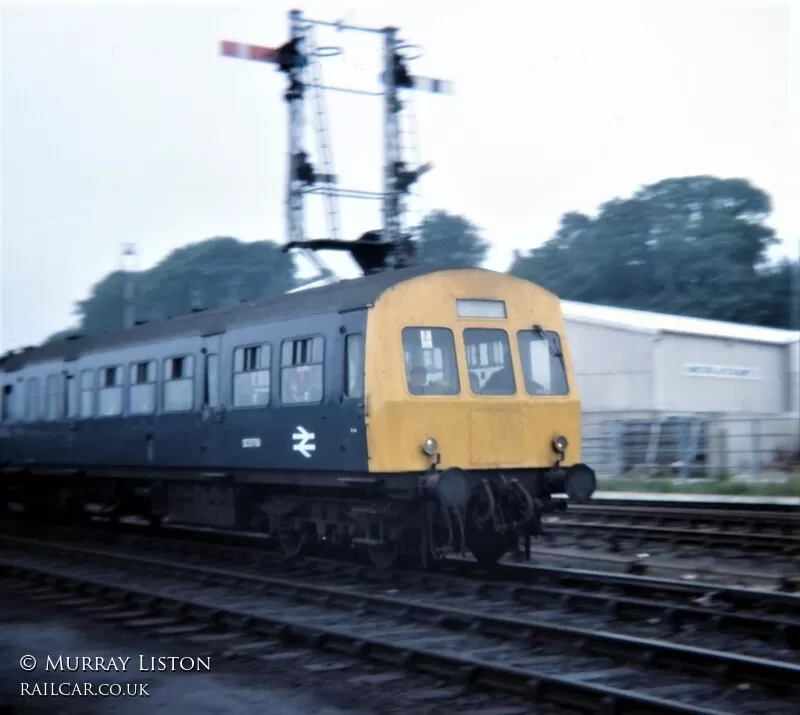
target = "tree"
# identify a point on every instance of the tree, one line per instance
(694, 245)
(450, 240)
(209, 274)
(61, 335)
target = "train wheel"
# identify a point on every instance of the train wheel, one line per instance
(490, 549)
(384, 556)
(295, 542)
(487, 543)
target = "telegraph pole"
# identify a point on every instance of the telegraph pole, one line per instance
(300, 59)
(129, 268)
(794, 313)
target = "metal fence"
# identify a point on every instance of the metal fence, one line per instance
(691, 446)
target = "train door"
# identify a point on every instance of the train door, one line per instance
(352, 396)
(70, 413)
(211, 402)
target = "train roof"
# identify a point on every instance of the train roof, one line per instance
(341, 296)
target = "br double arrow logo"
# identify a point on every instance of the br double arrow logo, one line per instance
(303, 441)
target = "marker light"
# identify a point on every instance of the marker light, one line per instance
(560, 444)
(430, 447)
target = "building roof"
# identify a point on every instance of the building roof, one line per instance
(654, 323)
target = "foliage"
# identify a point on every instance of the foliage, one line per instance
(62, 335)
(692, 246)
(790, 487)
(449, 240)
(209, 274)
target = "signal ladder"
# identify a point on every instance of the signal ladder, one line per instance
(300, 59)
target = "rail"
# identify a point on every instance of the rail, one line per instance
(523, 655)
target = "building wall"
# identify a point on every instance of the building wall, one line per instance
(614, 367)
(698, 374)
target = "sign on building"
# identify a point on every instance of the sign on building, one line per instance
(740, 373)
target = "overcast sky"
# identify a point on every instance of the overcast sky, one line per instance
(125, 125)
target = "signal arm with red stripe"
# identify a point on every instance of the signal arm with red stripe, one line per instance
(243, 51)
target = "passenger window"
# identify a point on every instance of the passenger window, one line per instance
(354, 366)
(110, 402)
(542, 363)
(70, 396)
(33, 412)
(87, 393)
(211, 384)
(179, 384)
(489, 362)
(143, 388)
(251, 378)
(301, 370)
(430, 360)
(52, 398)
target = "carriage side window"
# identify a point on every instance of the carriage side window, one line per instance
(33, 412)
(251, 378)
(179, 384)
(143, 388)
(52, 398)
(211, 381)
(354, 366)
(489, 361)
(87, 393)
(301, 370)
(430, 360)
(70, 397)
(110, 402)
(542, 362)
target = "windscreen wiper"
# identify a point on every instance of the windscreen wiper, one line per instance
(554, 346)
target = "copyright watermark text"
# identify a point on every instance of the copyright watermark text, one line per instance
(119, 664)
(45, 682)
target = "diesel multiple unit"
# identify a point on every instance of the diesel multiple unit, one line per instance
(412, 412)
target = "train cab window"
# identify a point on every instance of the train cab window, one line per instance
(110, 395)
(354, 366)
(251, 377)
(179, 384)
(87, 393)
(33, 404)
(430, 360)
(301, 370)
(70, 397)
(489, 362)
(143, 388)
(542, 362)
(52, 398)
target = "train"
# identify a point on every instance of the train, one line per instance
(412, 414)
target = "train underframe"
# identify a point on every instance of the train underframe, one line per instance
(416, 519)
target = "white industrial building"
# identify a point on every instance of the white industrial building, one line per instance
(683, 395)
(631, 361)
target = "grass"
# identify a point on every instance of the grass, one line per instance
(721, 485)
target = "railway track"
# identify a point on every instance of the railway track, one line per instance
(721, 516)
(707, 568)
(455, 627)
(751, 536)
(664, 607)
